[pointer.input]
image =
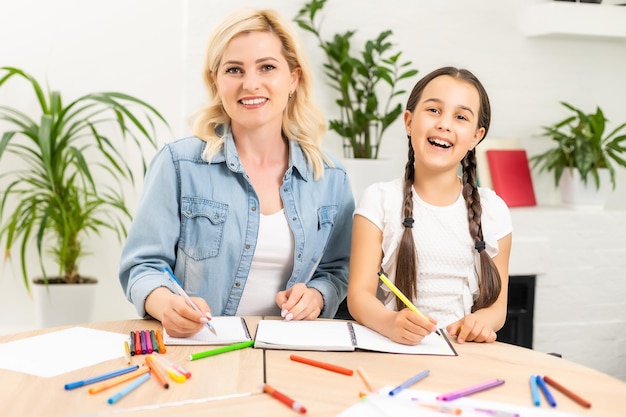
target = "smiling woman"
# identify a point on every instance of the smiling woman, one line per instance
(250, 214)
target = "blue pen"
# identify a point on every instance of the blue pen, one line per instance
(78, 384)
(409, 382)
(128, 388)
(546, 391)
(183, 294)
(534, 391)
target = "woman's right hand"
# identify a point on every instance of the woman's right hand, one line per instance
(177, 317)
(408, 328)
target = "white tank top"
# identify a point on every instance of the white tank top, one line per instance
(271, 267)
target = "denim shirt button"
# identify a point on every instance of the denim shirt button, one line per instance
(294, 218)
(253, 208)
(237, 284)
(299, 255)
(189, 212)
(248, 246)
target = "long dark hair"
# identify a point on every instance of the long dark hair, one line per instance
(406, 271)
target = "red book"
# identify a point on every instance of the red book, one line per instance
(510, 176)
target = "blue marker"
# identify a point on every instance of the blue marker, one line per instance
(534, 390)
(128, 388)
(77, 384)
(409, 382)
(546, 391)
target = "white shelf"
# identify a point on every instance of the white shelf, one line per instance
(565, 19)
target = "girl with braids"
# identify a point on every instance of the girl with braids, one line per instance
(443, 241)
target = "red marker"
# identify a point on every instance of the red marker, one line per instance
(295, 405)
(323, 365)
(137, 343)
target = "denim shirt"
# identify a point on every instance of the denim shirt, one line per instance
(202, 219)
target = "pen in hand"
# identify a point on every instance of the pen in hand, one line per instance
(183, 294)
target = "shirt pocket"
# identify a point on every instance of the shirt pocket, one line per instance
(326, 218)
(202, 227)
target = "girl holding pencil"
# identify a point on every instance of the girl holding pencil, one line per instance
(442, 240)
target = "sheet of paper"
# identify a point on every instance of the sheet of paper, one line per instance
(229, 329)
(63, 351)
(424, 403)
(433, 344)
(304, 335)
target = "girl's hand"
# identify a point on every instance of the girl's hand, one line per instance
(409, 328)
(471, 329)
(300, 302)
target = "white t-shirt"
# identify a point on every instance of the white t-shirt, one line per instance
(447, 282)
(271, 267)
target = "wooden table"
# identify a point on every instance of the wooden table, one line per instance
(237, 377)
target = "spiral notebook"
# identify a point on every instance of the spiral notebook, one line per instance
(336, 335)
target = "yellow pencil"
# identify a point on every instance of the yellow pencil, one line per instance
(402, 297)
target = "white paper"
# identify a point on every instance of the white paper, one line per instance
(304, 335)
(56, 353)
(229, 329)
(413, 402)
(432, 344)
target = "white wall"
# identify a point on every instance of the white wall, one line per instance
(153, 49)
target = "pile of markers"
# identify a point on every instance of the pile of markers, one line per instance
(144, 342)
(155, 365)
(538, 382)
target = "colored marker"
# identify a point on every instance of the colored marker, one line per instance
(402, 297)
(132, 343)
(118, 380)
(148, 341)
(409, 382)
(179, 368)
(179, 288)
(366, 379)
(534, 391)
(155, 343)
(137, 343)
(497, 413)
(546, 392)
(128, 389)
(223, 349)
(159, 337)
(156, 371)
(442, 408)
(295, 405)
(323, 365)
(471, 390)
(99, 378)
(567, 392)
(127, 351)
(142, 338)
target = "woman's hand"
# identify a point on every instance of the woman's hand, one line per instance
(471, 329)
(300, 302)
(177, 317)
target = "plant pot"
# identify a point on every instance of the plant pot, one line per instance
(61, 304)
(575, 193)
(364, 172)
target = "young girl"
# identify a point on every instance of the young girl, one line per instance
(441, 239)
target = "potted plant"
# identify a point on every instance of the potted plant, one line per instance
(583, 151)
(69, 176)
(366, 83)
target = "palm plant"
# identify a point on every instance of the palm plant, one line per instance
(581, 144)
(70, 180)
(366, 109)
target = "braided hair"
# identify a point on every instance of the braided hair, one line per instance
(406, 271)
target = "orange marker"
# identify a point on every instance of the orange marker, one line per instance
(159, 337)
(323, 365)
(118, 380)
(567, 392)
(295, 405)
(156, 371)
(366, 380)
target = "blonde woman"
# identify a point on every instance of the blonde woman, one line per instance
(250, 214)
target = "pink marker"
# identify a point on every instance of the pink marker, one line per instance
(471, 390)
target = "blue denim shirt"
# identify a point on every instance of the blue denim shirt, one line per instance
(202, 219)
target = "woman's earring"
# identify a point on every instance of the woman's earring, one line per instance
(290, 95)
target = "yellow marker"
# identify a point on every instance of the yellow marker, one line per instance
(402, 297)
(127, 351)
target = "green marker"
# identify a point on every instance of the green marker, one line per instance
(236, 346)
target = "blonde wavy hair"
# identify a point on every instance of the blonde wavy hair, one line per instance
(303, 121)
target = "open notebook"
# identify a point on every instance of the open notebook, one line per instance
(335, 335)
(229, 330)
